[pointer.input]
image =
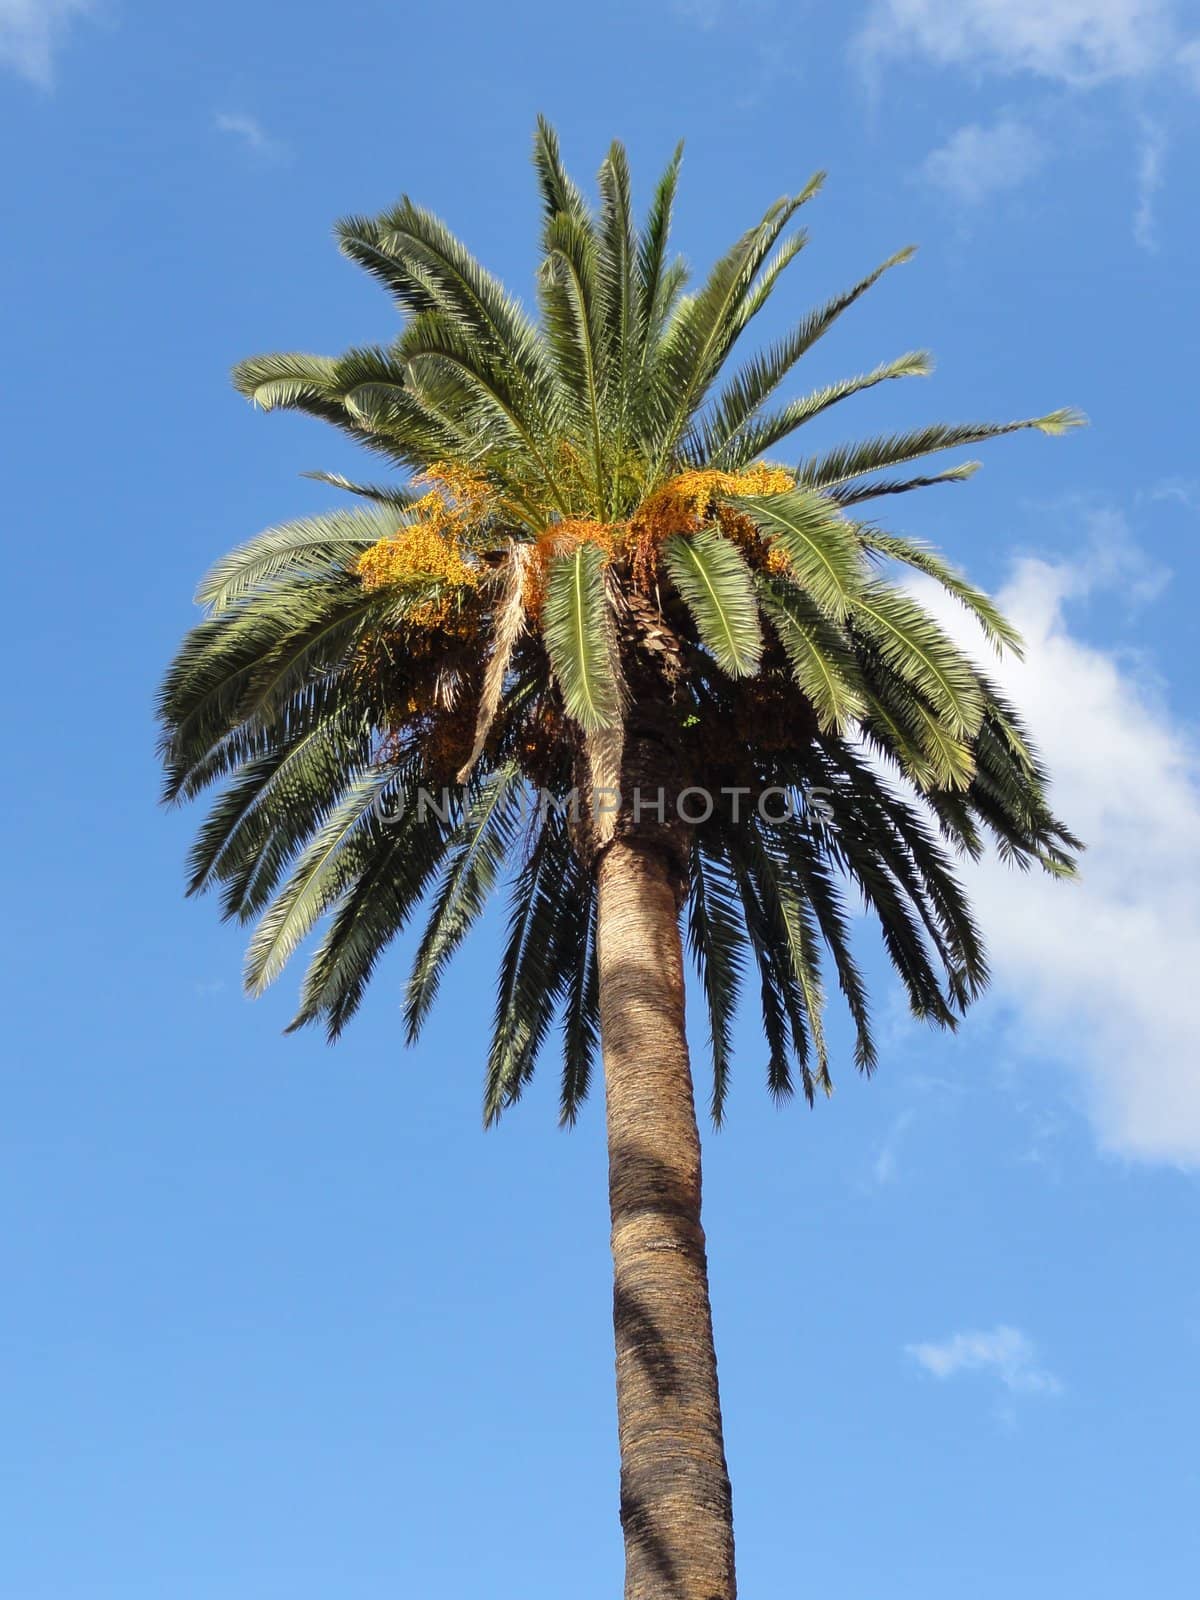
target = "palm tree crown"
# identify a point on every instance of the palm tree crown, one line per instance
(589, 549)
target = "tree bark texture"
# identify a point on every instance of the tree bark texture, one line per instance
(676, 1507)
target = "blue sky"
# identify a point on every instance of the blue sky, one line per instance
(277, 1321)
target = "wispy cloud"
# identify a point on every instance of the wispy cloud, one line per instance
(1177, 491)
(251, 133)
(1152, 154)
(699, 13)
(1088, 972)
(887, 1157)
(1077, 42)
(31, 32)
(979, 161)
(1004, 1353)
(1071, 45)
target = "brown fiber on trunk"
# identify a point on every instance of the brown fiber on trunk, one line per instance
(676, 1507)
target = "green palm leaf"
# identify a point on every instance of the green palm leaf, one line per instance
(655, 282)
(751, 388)
(718, 947)
(821, 546)
(918, 650)
(388, 885)
(763, 432)
(581, 1006)
(718, 588)
(822, 657)
(999, 631)
(321, 873)
(853, 494)
(534, 969)
(313, 547)
(839, 466)
(475, 857)
(577, 628)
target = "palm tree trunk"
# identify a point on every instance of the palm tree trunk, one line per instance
(676, 1508)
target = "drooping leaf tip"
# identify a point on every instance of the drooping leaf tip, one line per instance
(1061, 421)
(246, 378)
(916, 364)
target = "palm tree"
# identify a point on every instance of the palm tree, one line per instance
(594, 647)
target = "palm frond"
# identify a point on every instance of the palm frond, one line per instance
(839, 466)
(656, 283)
(384, 494)
(855, 493)
(581, 1003)
(475, 855)
(822, 658)
(569, 287)
(718, 589)
(764, 431)
(289, 380)
(751, 388)
(616, 286)
(997, 629)
(560, 196)
(917, 648)
(398, 860)
(820, 545)
(311, 548)
(507, 628)
(704, 327)
(324, 869)
(718, 944)
(578, 631)
(534, 968)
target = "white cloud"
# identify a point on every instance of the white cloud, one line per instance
(1076, 44)
(1005, 1353)
(1095, 974)
(251, 132)
(978, 161)
(1080, 42)
(885, 1165)
(1178, 491)
(31, 32)
(1152, 154)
